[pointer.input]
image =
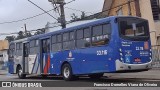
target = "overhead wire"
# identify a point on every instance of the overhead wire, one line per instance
(20, 20)
(85, 17)
(43, 10)
(26, 18)
(78, 10)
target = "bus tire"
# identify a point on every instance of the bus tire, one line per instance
(96, 76)
(20, 73)
(67, 72)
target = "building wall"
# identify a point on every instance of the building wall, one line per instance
(145, 11)
(158, 41)
(157, 25)
(3, 50)
(4, 55)
(125, 10)
(3, 44)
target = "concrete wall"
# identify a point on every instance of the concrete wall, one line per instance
(3, 44)
(5, 56)
(124, 8)
(145, 10)
(157, 25)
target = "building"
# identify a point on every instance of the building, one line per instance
(155, 4)
(3, 51)
(141, 8)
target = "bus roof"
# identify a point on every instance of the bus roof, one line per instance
(93, 22)
(72, 28)
(20, 40)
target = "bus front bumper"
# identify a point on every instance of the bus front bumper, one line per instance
(123, 66)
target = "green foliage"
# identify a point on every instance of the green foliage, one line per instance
(10, 38)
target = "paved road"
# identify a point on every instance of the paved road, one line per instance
(151, 75)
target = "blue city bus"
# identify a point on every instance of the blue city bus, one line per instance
(113, 44)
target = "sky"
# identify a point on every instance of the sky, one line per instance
(12, 10)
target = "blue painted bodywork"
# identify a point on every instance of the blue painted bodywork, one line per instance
(86, 60)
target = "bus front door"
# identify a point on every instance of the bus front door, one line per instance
(45, 56)
(25, 58)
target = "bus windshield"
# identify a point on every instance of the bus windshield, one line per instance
(133, 28)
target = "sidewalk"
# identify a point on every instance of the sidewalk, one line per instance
(151, 74)
(3, 72)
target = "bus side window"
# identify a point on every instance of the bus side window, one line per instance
(65, 41)
(11, 50)
(107, 32)
(48, 45)
(44, 48)
(72, 40)
(19, 49)
(87, 37)
(79, 37)
(101, 34)
(83, 38)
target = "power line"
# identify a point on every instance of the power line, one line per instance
(78, 10)
(34, 30)
(100, 13)
(15, 21)
(26, 18)
(56, 7)
(97, 14)
(43, 10)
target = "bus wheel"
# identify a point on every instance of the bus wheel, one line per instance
(20, 73)
(67, 72)
(96, 76)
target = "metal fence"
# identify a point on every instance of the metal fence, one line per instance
(156, 56)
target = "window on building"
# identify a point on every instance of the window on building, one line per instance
(155, 4)
(119, 12)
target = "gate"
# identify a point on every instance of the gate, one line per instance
(156, 56)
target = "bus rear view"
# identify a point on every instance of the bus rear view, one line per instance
(134, 44)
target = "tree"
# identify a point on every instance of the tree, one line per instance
(83, 15)
(39, 31)
(74, 17)
(28, 34)
(10, 38)
(20, 35)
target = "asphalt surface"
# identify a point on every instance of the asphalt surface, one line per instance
(151, 75)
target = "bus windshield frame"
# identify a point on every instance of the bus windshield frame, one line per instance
(132, 28)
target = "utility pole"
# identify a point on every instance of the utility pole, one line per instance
(25, 28)
(129, 8)
(62, 14)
